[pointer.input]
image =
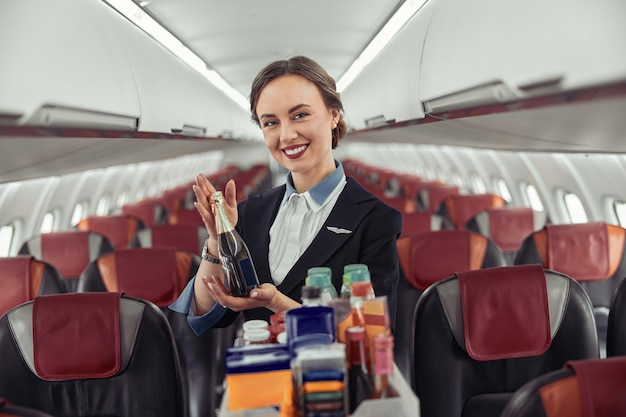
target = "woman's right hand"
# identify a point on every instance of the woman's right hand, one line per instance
(203, 190)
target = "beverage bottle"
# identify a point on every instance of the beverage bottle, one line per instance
(239, 272)
(327, 291)
(311, 296)
(362, 275)
(359, 382)
(344, 292)
(383, 367)
(347, 269)
(348, 279)
(321, 270)
(359, 292)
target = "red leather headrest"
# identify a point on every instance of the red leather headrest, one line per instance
(150, 273)
(119, 229)
(508, 226)
(77, 335)
(505, 312)
(16, 286)
(419, 221)
(571, 247)
(439, 254)
(67, 251)
(181, 236)
(602, 386)
(461, 208)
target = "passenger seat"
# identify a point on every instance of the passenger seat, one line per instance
(593, 387)
(591, 253)
(121, 229)
(103, 354)
(456, 210)
(426, 258)
(507, 227)
(69, 252)
(22, 278)
(481, 335)
(180, 236)
(159, 275)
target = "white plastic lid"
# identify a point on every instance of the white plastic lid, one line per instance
(254, 324)
(282, 338)
(256, 335)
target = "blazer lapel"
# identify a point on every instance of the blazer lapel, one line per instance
(260, 213)
(353, 204)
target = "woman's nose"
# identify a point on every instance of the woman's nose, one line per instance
(287, 132)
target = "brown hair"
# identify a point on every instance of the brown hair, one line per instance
(310, 70)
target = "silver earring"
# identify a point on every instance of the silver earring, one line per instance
(334, 125)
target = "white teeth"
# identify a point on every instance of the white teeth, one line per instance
(295, 150)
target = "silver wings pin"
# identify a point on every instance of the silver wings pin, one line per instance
(338, 230)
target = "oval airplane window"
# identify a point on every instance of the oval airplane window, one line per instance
(6, 238)
(502, 189)
(102, 208)
(620, 211)
(47, 222)
(80, 211)
(478, 185)
(533, 197)
(575, 208)
(122, 198)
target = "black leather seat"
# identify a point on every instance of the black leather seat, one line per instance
(185, 237)
(426, 258)
(591, 253)
(159, 275)
(480, 335)
(431, 195)
(69, 252)
(102, 354)
(456, 210)
(419, 221)
(585, 388)
(22, 278)
(121, 229)
(507, 227)
(150, 212)
(11, 410)
(616, 329)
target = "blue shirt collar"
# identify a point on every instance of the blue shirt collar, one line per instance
(321, 191)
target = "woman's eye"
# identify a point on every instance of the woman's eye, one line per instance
(300, 115)
(269, 123)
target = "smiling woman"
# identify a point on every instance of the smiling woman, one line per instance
(296, 104)
(101, 119)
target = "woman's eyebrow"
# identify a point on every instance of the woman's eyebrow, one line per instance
(291, 110)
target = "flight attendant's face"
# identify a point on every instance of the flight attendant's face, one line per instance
(297, 127)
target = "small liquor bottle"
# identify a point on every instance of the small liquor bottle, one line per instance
(239, 272)
(383, 367)
(359, 382)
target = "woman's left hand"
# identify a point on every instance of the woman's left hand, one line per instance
(266, 295)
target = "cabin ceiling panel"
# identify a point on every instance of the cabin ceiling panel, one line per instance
(331, 32)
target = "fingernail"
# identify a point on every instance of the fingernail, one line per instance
(254, 294)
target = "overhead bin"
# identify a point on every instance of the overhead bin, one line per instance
(388, 88)
(490, 51)
(173, 97)
(76, 72)
(93, 68)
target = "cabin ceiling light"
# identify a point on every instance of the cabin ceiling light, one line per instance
(135, 14)
(382, 38)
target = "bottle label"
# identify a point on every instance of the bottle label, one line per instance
(248, 272)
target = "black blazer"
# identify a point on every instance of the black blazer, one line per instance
(375, 228)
